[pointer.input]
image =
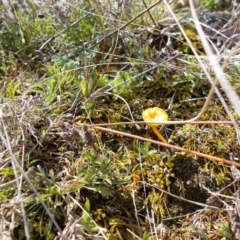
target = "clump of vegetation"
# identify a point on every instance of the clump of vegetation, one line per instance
(76, 78)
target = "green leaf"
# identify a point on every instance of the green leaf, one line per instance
(6, 171)
(144, 149)
(87, 206)
(145, 236)
(104, 168)
(104, 191)
(111, 237)
(83, 86)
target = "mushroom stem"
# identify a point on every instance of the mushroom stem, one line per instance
(159, 134)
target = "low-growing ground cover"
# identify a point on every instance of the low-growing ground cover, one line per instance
(77, 159)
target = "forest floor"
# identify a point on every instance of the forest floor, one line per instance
(77, 159)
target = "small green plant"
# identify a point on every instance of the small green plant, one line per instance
(225, 230)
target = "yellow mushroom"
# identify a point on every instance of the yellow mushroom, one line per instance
(155, 114)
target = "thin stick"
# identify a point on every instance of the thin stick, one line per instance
(14, 182)
(222, 160)
(165, 122)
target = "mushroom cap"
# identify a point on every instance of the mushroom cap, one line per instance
(154, 114)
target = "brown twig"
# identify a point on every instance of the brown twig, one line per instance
(165, 122)
(222, 160)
